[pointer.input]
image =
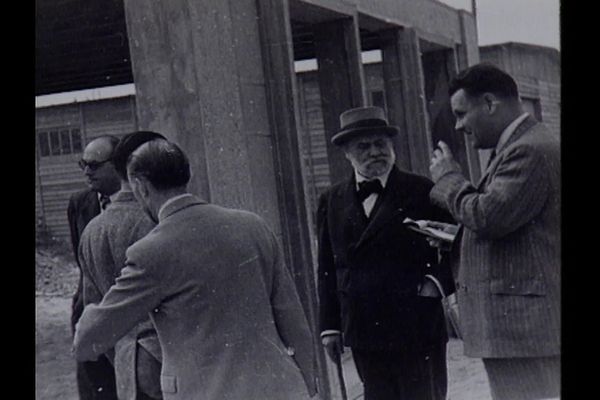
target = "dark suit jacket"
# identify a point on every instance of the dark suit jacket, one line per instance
(509, 275)
(102, 256)
(370, 271)
(224, 305)
(83, 206)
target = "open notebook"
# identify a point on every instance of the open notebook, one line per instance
(423, 227)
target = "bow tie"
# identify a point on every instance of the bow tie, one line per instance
(366, 188)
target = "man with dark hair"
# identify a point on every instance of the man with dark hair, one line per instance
(228, 316)
(95, 379)
(509, 268)
(376, 277)
(136, 357)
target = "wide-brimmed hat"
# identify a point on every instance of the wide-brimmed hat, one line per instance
(360, 121)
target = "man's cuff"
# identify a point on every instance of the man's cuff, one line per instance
(330, 332)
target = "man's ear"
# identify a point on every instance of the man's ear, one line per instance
(491, 102)
(142, 184)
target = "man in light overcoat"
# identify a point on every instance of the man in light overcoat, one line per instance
(95, 379)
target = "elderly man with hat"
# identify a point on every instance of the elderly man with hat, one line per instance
(376, 277)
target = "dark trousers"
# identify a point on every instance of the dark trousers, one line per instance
(95, 379)
(399, 375)
(523, 378)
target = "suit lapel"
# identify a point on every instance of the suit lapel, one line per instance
(385, 209)
(520, 131)
(353, 214)
(90, 207)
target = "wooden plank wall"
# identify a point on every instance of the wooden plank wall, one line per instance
(59, 176)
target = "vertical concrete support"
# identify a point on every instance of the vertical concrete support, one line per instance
(341, 80)
(277, 50)
(468, 54)
(199, 79)
(405, 97)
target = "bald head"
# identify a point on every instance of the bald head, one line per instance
(97, 166)
(100, 148)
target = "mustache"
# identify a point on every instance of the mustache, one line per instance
(378, 158)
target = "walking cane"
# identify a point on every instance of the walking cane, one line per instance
(338, 364)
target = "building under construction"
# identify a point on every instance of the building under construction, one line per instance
(221, 79)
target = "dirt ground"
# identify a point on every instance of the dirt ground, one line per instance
(55, 368)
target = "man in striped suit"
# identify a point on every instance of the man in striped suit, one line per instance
(509, 261)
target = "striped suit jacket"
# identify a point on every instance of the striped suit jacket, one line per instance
(509, 269)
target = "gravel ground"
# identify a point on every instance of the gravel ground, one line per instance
(56, 273)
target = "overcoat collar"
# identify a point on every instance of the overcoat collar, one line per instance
(123, 196)
(178, 205)
(386, 208)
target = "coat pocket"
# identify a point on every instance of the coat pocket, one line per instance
(530, 287)
(168, 383)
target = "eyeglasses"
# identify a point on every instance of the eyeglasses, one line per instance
(93, 165)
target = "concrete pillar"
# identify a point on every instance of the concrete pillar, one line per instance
(198, 72)
(277, 48)
(468, 54)
(405, 98)
(341, 81)
(439, 66)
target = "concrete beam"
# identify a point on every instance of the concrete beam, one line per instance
(432, 20)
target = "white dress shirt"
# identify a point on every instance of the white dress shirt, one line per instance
(369, 202)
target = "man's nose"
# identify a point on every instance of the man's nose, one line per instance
(374, 150)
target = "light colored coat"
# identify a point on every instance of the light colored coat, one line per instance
(224, 305)
(102, 255)
(509, 276)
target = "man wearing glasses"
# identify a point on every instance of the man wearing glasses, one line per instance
(96, 379)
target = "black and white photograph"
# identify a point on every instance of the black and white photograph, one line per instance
(298, 200)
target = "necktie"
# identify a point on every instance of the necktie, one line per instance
(104, 201)
(366, 188)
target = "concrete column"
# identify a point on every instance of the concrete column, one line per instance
(341, 81)
(468, 54)
(439, 66)
(405, 98)
(198, 72)
(277, 49)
